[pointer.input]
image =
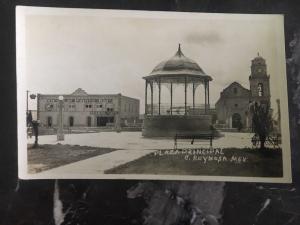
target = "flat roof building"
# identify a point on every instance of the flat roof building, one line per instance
(84, 110)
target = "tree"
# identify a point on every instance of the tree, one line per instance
(262, 123)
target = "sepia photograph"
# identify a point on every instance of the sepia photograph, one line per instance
(119, 94)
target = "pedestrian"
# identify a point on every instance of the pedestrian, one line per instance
(35, 127)
(29, 119)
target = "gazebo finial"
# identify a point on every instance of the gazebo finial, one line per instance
(179, 52)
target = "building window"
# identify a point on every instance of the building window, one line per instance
(236, 105)
(260, 89)
(49, 107)
(88, 106)
(235, 90)
(99, 106)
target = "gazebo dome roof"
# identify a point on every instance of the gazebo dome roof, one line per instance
(179, 63)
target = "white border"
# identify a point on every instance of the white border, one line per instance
(23, 11)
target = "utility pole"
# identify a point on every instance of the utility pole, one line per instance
(60, 130)
(27, 92)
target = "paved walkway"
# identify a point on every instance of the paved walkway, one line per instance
(98, 164)
(135, 141)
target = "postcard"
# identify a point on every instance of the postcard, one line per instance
(117, 94)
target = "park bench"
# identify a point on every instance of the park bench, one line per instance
(273, 140)
(202, 136)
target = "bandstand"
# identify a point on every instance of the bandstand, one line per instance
(167, 119)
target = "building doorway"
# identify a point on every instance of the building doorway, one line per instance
(49, 121)
(236, 121)
(71, 121)
(102, 121)
(89, 121)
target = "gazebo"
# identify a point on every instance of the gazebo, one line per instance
(167, 119)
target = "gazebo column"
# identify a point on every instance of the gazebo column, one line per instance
(208, 106)
(193, 95)
(146, 92)
(171, 90)
(185, 90)
(151, 87)
(205, 96)
(159, 92)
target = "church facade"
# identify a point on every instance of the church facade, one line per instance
(232, 108)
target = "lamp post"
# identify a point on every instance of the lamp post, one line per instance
(29, 120)
(27, 92)
(60, 130)
(32, 96)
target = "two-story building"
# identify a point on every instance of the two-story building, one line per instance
(84, 110)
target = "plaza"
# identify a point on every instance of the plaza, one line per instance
(135, 141)
(130, 146)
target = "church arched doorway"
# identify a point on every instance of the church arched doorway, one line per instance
(236, 121)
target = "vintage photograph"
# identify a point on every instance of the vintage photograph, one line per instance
(116, 94)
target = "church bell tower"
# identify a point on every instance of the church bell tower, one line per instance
(259, 81)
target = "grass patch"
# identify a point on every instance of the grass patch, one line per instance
(48, 156)
(233, 162)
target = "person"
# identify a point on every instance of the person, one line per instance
(35, 126)
(29, 119)
(29, 123)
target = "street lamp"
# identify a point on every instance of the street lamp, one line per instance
(32, 96)
(60, 130)
(34, 123)
(29, 120)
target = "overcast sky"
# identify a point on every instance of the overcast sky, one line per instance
(104, 55)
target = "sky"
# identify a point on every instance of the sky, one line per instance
(108, 55)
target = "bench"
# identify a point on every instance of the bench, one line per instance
(203, 136)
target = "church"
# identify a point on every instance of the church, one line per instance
(232, 108)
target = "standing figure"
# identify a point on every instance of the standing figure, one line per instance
(29, 118)
(35, 126)
(29, 123)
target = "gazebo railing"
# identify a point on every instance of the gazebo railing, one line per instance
(177, 109)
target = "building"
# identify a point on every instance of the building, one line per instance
(233, 105)
(169, 119)
(84, 110)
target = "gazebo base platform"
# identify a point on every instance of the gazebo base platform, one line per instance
(169, 125)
